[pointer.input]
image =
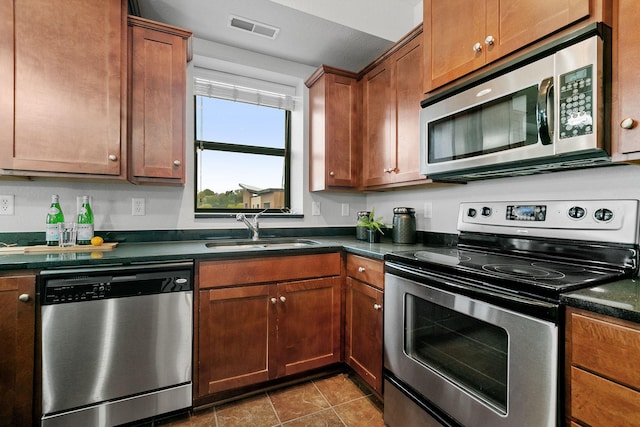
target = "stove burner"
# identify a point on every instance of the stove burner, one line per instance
(447, 257)
(566, 268)
(524, 271)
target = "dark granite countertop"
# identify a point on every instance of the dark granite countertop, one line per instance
(618, 299)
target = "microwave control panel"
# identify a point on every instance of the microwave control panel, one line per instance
(576, 102)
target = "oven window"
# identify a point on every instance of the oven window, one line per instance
(469, 352)
(499, 125)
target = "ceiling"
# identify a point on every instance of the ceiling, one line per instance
(347, 35)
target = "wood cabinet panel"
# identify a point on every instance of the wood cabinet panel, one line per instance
(17, 359)
(363, 337)
(157, 107)
(334, 105)
(591, 344)
(601, 403)
(366, 270)
(69, 83)
(236, 332)
(308, 324)
(268, 269)
(626, 80)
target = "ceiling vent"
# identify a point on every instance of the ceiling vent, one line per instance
(253, 27)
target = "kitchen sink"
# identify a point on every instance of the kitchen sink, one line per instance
(228, 245)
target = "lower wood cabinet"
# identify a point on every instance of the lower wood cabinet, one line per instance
(602, 375)
(266, 318)
(363, 320)
(17, 340)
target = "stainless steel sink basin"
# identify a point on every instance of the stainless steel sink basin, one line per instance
(235, 245)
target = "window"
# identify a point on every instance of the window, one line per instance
(242, 149)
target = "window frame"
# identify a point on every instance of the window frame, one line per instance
(245, 149)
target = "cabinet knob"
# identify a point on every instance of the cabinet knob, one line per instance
(377, 306)
(489, 41)
(113, 157)
(477, 47)
(177, 163)
(332, 173)
(273, 300)
(628, 123)
(283, 299)
(361, 269)
(24, 297)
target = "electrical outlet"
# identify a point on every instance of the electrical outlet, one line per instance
(315, 208)
(138, 207)
(345, 209)
(7, 205)
(428, 210)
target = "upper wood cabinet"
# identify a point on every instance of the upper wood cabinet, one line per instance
(626, 81)
(17, 359)
(63, 67)
(157, 101)
(334, 135)
(464, 35)
(392, 92)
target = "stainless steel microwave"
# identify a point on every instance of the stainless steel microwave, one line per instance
(546, 111)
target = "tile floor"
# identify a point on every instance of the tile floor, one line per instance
(336, 401)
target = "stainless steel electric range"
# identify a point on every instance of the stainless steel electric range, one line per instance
(473, 333)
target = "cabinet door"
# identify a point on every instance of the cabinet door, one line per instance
(17, 339)
(378, 127)
(236, 331)
(511, 22)
(627, 75)
(407, 84)
(363, 332)
(69, 84)
(157, 107)
(308, 324)
(451, 28)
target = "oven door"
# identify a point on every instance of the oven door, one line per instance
(482, 364)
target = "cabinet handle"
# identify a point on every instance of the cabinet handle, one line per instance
(24, 297)
(113, 157)
(176, 163)
(377, 306)
(332, 173)
(361, 269)
(273, 300)
(628, 123)
(477, 47)
(489, 41)
(283, 299)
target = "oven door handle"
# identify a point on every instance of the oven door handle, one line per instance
(545, 111)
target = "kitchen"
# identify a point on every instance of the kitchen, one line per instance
(171, 208)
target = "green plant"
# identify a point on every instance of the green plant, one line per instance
(371, 222)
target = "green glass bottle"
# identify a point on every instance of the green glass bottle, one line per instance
(54, 216)
(85, 223)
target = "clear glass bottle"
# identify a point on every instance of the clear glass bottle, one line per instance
(85, 223)
(54, 216)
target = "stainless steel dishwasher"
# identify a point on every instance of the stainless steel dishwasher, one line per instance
(116, 343)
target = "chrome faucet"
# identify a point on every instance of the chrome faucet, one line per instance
(252, 224)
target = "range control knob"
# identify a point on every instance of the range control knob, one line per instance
(486, 211)
(471, 213)
(576, 212)
(603, 214)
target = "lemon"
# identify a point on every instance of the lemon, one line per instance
(97, 241)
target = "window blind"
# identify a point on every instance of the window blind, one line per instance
(233, 87)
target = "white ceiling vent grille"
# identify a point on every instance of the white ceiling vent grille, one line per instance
(253, 27)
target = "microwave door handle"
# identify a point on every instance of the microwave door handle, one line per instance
(545, 111)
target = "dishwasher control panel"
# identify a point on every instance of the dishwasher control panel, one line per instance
(82, 286)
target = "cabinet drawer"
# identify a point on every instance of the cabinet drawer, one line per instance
(367, 270)
(611, 350)
(599, 402)
(214, 274)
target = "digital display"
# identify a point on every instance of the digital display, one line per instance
(526, 212)
(577, 75)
